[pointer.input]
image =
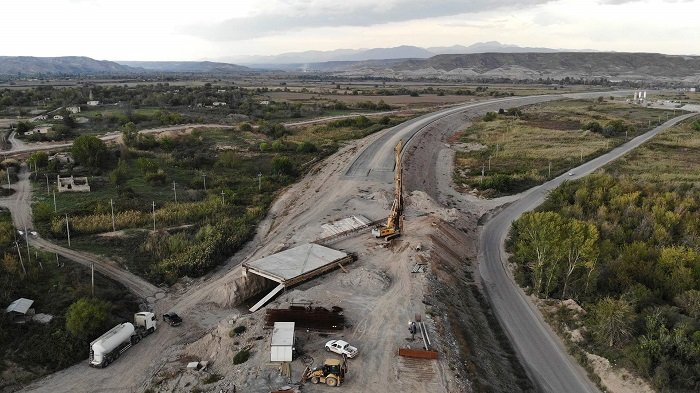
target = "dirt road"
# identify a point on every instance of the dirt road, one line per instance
(19, 205)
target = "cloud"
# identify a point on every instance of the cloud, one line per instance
(295, 15)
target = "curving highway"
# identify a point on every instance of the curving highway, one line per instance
(539, 348)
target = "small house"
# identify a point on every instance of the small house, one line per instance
(58, 117)
(93, 103)
(217, 103)
(282, 344)
(73, 109)
(20, 309)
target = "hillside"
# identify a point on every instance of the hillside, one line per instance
(620, 66)
(66, 65)
(187, 66)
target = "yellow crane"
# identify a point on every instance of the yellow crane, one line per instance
(392, 228)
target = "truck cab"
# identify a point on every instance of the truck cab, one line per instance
(145, 320)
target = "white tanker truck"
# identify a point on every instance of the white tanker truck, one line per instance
(109, 346)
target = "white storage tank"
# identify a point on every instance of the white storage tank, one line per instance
(107, 342)
(282, 344)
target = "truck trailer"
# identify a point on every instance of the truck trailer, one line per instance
(109, 346)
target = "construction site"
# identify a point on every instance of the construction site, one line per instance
(363, 276)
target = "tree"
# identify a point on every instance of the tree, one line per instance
(90, 151)
(120, 174)
(130, 134)
(39, 159)
(87, 317)
(580, 245)
(610, 321)
(539, 244)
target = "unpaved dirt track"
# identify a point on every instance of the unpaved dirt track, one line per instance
(539, 347)
(19, 205)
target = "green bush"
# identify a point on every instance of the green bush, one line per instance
(490, 116)
(241, 357)
(87, 317)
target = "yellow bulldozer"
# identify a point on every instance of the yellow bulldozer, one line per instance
(332, 373)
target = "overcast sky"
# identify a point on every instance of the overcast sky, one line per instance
(212, 29)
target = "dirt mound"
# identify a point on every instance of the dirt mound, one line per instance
(238, 289)
(371, 282)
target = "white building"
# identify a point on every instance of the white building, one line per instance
(58, 117)
(73, 109)
(93, 103)
(282, 344)
(217, 103)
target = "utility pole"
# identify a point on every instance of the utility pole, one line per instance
(550, 170)
(9, 185)
(68, 230)
(26, 240)
(626, 138)
(154, 216)
(54, 202)
(489, 163)
(222, 197)
(92, 277)
(482, 174)
(47, 184)
(581, 155)
(259, 181)
(111, 204)
(175, 191)
(20, 258)
(204, 175)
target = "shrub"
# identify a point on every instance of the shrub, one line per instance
(490, 116)
(306, 147)
(156, 178)
(245, 127)
(212, 378)
(87, 317)
(241, 357)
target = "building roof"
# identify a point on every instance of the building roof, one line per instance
(20, 305)
(289, 264)
(283, 334)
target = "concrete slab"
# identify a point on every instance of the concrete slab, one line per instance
(344, 225)
(290, 266)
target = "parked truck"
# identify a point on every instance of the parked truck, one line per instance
(109, 346)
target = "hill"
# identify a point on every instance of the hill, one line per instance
(528, 66)
(187, 66)
(66, 65)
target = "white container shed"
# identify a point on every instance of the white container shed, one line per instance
(282, 344)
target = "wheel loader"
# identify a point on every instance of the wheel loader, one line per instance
(332, 373)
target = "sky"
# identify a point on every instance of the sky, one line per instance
(220, 29)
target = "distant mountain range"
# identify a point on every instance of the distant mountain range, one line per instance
(530, 66)
(405, 63)
(399, 52)
(75, 65)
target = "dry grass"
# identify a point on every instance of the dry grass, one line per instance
(521, 149)
(671, 157)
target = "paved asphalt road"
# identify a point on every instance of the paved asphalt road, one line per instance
(540, 350)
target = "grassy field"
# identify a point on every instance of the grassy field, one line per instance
(672, 157)
(524, 149)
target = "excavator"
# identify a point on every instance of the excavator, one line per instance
(393, 225)
(332, 373)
